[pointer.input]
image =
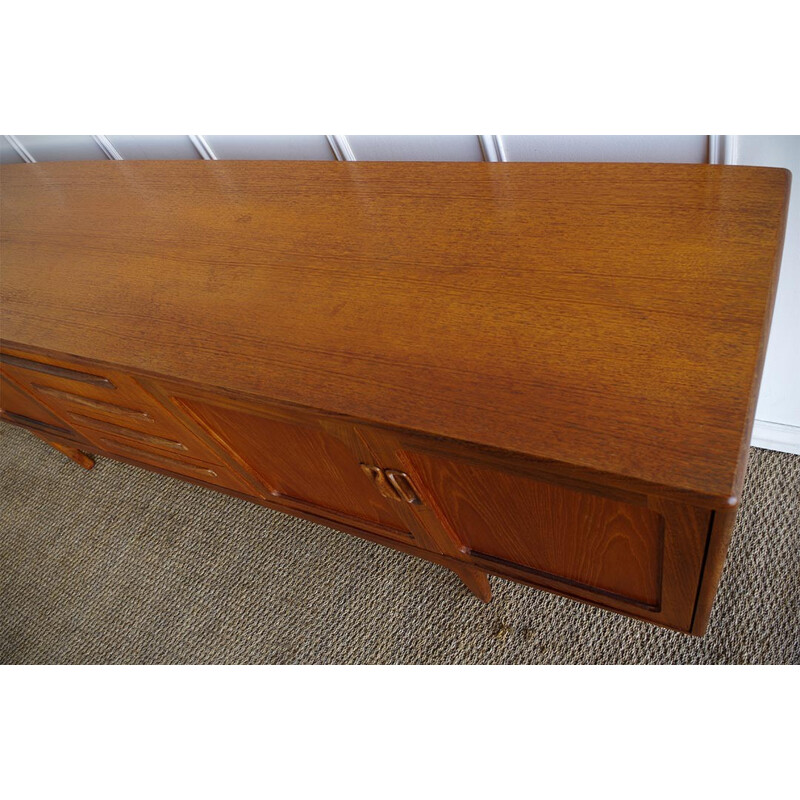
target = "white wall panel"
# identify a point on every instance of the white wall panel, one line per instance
(8, 155)
(282, 148)
(165, 148)
(416, 148)
(63, 148)
(779, 399)
(659, 149)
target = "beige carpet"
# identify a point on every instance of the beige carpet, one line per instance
(124, 566)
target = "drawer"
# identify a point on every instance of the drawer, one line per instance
(18, 408)
(99, 402)
(71, 389)
(215, 474)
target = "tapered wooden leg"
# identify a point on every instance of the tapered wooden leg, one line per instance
(78, 456)
(476, 580)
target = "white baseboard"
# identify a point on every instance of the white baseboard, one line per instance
(774, 436)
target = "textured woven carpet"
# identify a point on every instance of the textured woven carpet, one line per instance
(119, 565)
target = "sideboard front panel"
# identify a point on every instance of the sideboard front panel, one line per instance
(584, 539)
(297, 461)
(114, 414)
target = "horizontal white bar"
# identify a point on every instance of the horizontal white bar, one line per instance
(775, 436)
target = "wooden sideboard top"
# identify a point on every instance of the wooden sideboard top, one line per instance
(611, 317)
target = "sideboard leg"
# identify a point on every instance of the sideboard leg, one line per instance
(476, 580)
(78, 456)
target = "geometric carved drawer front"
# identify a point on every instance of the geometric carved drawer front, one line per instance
(82, 395)
(212, 473)
(17, 405)
(117, 415)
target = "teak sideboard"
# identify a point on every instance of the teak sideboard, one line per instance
(546, 372)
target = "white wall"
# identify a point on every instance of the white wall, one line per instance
(778, 414)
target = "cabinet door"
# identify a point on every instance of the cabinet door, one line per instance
(638, 555)
(303, 461)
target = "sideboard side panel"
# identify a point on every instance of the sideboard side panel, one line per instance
(714, 562)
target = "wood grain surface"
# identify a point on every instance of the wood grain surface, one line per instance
(586, 539)
(296, 461)
(15, 401)
(612, 317)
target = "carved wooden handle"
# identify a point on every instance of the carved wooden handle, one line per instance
(378, 477)
(402, 484)
(393, 484)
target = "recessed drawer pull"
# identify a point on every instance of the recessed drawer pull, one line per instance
(168, 463)
(59, 372)
(99, 405)
(28, 422)
(128, 433)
